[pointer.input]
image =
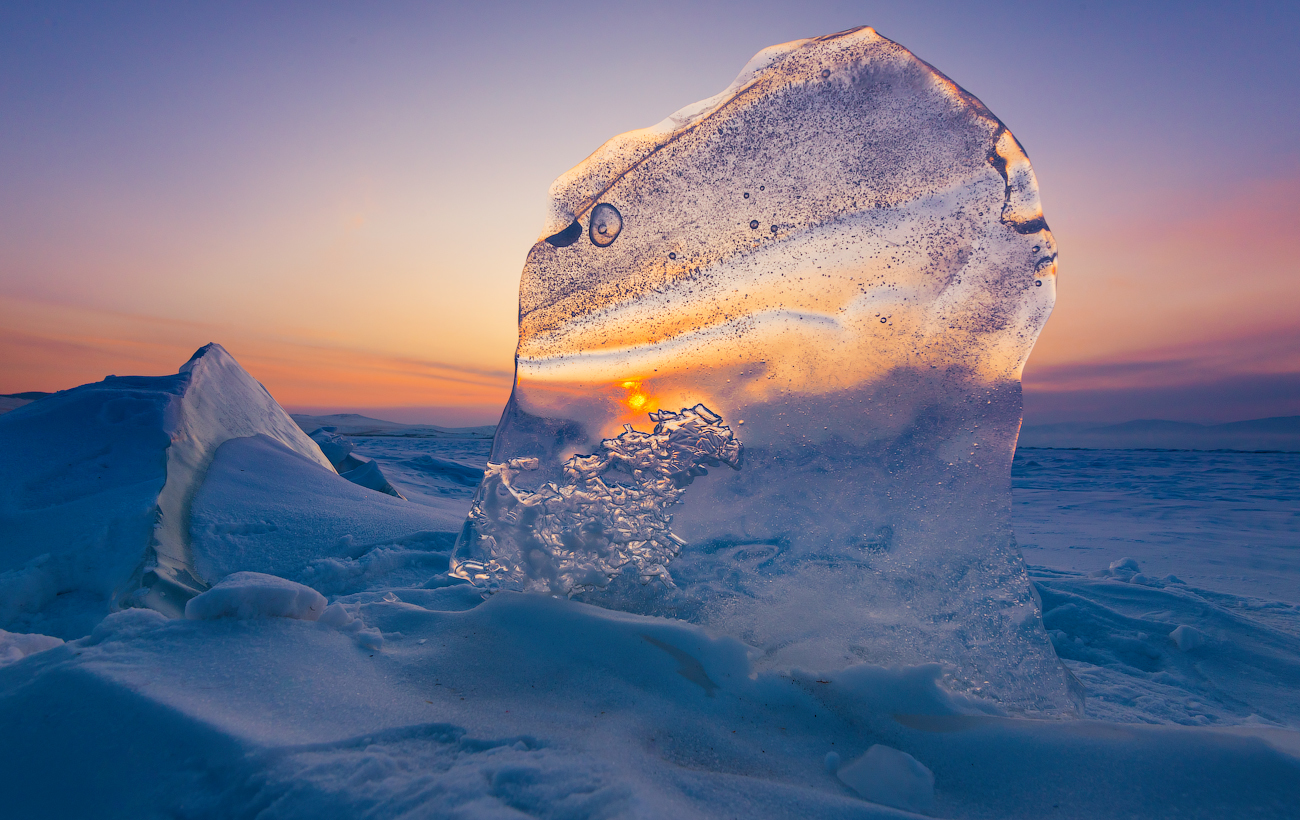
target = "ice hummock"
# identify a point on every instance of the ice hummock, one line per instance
(96, 482)
(844, 257)
(143, 491)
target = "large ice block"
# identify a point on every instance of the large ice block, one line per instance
(842, 258)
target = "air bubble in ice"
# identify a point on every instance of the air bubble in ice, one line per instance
(672, 255)
(606, 224)
(826, 72)
(753, 223)
(566, 237)
(747, 195)
(773, 229)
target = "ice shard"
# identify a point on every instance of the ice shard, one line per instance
(842, 261)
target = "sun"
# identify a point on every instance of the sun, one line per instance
(636, 399)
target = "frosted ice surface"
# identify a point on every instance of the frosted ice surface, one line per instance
(579, 534)
(842, 259)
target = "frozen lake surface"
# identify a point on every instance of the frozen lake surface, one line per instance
(1226, 521)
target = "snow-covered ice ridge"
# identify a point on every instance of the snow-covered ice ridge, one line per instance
(843, 256)
(143, 491)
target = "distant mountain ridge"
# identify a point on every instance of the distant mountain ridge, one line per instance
(1280, 433)
(354, 424)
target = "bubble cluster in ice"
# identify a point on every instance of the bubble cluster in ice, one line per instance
(843, 252)
(579, 533)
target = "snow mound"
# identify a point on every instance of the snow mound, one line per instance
(1187, 638)
(16, 646)
(265, 508)
(890, 777)
(247, 595)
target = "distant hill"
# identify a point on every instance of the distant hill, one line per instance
(1281, 433)
(12, 401)
(353, 424)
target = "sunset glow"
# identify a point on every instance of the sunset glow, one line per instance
(347, 208)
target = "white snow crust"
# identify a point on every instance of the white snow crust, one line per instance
(248, 595)
(16, 646)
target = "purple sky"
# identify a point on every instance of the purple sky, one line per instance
(343, 195)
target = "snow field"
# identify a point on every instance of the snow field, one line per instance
(409, 695)
(558, 709)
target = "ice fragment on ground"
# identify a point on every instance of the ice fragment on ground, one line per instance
(892, 778)
(249, 595)
(369, 475)
(1187, 638)
(845, 250)
(14, 646)
(338, 449)
(1124, 568)
(359, 471)
(337, 616)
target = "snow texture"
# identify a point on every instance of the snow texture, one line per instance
(893, 778)
(248, 595)
(16, 646)
(844, 257)
(1221, 521)
(1278, 434)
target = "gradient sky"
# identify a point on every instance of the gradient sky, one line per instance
(343, 194)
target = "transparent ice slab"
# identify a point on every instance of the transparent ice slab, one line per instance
(842, 259)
